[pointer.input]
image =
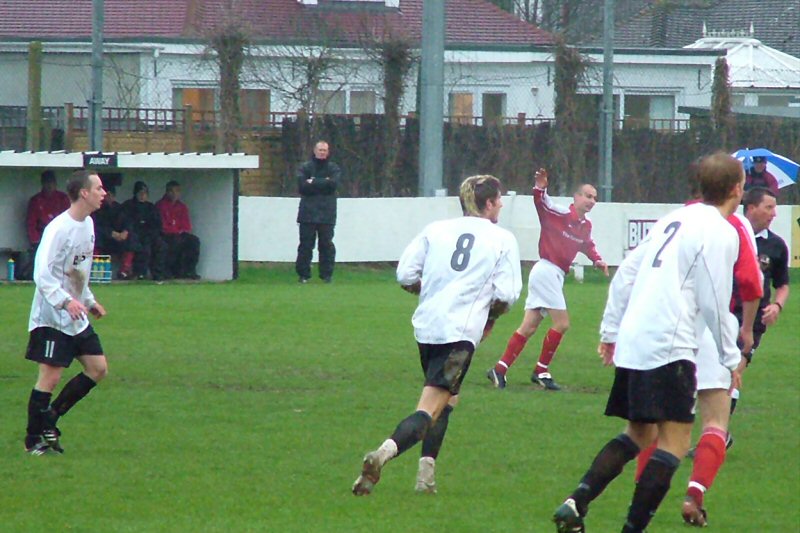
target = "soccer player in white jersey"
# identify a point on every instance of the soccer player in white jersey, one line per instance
(467, 272)
(678, 278)
(59, 327)
(714, 380)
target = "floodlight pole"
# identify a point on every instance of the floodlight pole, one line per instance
(96, 103)
(431, 135)
(607, 126)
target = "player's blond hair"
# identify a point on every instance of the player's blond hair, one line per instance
(475, 191)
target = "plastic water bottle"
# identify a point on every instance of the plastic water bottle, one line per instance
(10, 265)
(107, 270)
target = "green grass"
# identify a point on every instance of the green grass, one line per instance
(247, 406)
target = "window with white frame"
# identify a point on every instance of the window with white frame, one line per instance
(254, 105)
(387, 3)
(649, 111)
(460, 107)
(776, 100)
(330, 102)
(362, 102)
(494, 108)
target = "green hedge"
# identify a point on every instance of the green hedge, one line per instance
(649, 166)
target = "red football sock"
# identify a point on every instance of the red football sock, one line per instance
(708, 458)
(549, 347)
(643, 458)
(515, 345)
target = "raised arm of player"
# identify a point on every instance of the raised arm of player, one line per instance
(540, 179)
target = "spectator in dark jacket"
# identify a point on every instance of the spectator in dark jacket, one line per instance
(113, 232)
(317, 180)
(150, 250)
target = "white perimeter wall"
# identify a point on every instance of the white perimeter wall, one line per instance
(378, 229)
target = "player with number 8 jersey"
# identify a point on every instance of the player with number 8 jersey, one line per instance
(467, 272)
(468, 263)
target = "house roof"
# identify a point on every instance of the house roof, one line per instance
(753, 64)
(469, 22)
(776, 23)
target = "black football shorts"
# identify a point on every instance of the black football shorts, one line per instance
(666, 393)
(445, 365)
(54, 348)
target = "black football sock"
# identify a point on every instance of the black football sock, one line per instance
(432, 442)
(411, 430)
(651, 489)
(37, 405)
(606, 466)
(77, 388)
(733, 404)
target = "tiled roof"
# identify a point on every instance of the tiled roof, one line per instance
(469, 22)
(47, 19)
(776, 23)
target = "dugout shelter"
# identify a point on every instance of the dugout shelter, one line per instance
(209, 186)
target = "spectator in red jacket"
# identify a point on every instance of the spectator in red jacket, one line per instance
(43, 207)
(183, 248)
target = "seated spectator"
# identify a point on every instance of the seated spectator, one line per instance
(759, 176)
(43, 207)
(183, 248)
(113, 235)
(145, 222)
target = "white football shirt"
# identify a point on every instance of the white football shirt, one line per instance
(464, 264)
(62, 268)
(676, 282)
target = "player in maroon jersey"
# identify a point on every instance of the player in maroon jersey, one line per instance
(564, 233)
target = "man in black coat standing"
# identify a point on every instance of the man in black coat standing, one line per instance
(317, 180)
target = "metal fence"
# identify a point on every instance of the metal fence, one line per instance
(126, 119)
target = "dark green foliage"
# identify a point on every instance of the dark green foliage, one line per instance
(721, 115)
(649, 165)
(228, 44)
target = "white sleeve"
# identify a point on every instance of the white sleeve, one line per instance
(409, 267)
(87, 297)
(508, 279)
(48, 268)
(619, 293)
(713, 283)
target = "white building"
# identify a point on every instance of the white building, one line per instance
(496, 65)
(760, 76)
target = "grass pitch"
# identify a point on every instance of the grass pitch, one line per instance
(247, 406)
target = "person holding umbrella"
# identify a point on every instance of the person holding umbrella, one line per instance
(759, 176)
